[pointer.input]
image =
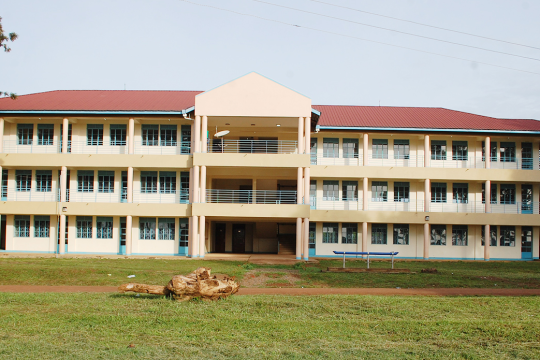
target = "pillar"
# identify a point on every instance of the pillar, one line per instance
(487, 152)
(204, 134)
(487, 241)
(487, 195)
(364, 236)
(365, 194)
(129, 234)
(197, 135)
(65, 132)
(203, 184)
(130, 184)
(190, 236)
(427, 151)
(307, 183)
(427, 194)
(196, 184)
(192, 138)
(195, 239)
(131, 136)
(427, 241)
(306, 239)
(299, 183)
(300, 135)
(63, 184)
(365, 144)
(307, 130)
(1, 135)
(298, 238)
(254, 189)
(62, 245)
(202, 241)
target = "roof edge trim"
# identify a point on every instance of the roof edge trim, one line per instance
(315, 111)
(319, 127)
(97, 112)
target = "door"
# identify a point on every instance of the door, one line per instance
(219, 238)
(3, 233)
(239, 238)
(526, 242)
(312, 237)
(122, 247)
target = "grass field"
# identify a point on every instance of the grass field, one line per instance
(50, 271)
(101, 326)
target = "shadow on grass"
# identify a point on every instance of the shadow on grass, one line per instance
(139, 296)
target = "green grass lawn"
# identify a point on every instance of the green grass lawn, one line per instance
(101, 326)
(51, 271)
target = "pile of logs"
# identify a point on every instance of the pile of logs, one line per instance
(198, 284)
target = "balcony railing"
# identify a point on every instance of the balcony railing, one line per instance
(163, 148)
(12, 194)
(13, 147)
(253, 146)
(177, 197)
(251, 196)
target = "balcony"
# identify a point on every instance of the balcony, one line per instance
(219, 196)
(253, 146)
(13, 194)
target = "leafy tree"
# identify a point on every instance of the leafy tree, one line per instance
(4, 39)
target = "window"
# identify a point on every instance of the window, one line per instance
(25, 134)
(166, 229)
(104, 227)
(313, 151)
(401, 191)
(401, 234)
(312, 235)
(147, 228)
(526, 239)
(70, 129)
(493, 235)
(150, 135)
(459, 235)
(350, 148)
(460, 193)
(401, 149)
(45, 134)
(167, 182)
(149, 182)
(184, 231)
(21, 225)
(379, 191)
(330, 233)
(65, 233)
(508, 236)
(106, 181)
(118, 135)
(349, 233)
(84, 227)
(168, 135)
(94, 134)
(508, 194)
(349, 190)
(184, 187)
(493, 193)
(493, 152)
(23, 179)
(44, 180)
(438, 235)
(526, 156)
(313, 193)
(124, 187)
(330, 190)
(508, 152)
(42, 226)
(330, 147)
(186, 139)
(378, 234)
(85, 180)
(379, 149)
(123, 230)
(438, 150)
(459, 150)
(526, 199)
(4, 184)
(438, 192)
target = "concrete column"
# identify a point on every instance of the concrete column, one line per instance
(307, 130)
(427, 195)
(191, 185)
(131, 136)
(202, 229)
(299, 185)
(487, 195)
(365, 145)
(130, 184)
(65, 132)
(254, 188)
(203, 184)
(306, 239)
(62, 245)
(487, 151)
(129, 235)
(365, 194)
(204, 134)
(63, 184)
(298, 238)
(487, 241)
(197, 135)
(192, 139)
(364, 236)
(1, 135)
(427, 241)
(190, 236)
(195, 240)
(196, 184)
(307, 182)
(427, 151)
(300, 135)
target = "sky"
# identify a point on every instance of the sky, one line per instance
(179, 45)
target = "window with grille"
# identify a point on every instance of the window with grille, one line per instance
(104, 227)
(508, 152)
(379, 149)
(312, 235)
(124, 186)
(438, 192)
(350, 148)
(493, 193)
(379, 234)
(460, 193)
(42, 225)
(526, 239)
(105, 181)
(4, 184)
(94, 134)
(123, 231)
(21, 225)
(150, 135)
(186, 139)
(349, 190)
(493, 152)
(70, 129)
(493, 235)
(168, 135)
(526, 156)
(438, 150)
(508, 236)
(330, 233)
(401, 191)
(330, 147)
(184, 187)
(401, 149)
(45, 134)
(379, 191)
(147, 228)
(401, 234)
(349, 233)
(459, 235)
(460, 150)
(508, 194)
(23, 179)
(43, 180)
(25, 134)
(149, 182)
(166, 229)
(84, 227)
(526, 199)
(438, 235)
(330, 190)
(167, 182)
(313, 150)
(118, 134)
(85, 181)
(184, 231)
(65, 233)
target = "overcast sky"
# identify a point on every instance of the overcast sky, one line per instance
(175, 45)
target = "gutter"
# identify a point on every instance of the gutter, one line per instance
(98, 112)
(358, 128)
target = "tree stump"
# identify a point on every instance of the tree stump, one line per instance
(197, 284)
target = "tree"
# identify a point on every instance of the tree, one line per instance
(4, 39)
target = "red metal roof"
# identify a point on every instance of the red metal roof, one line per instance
(102, 100)
(416, 117)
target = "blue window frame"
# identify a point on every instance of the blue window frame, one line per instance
(401, 149)
(508, 236)
(147, 228)
(84, 227)
(25, 134)
(526, 199)
(94, 134)
(166, 229)
(186, 139)
(44, 180)
(85, 181)
(493, 151)
(493, 193)
(150, 135)
(330, 147)
(168, 134)
(23, 179)
(401, 234)
(350, 148)
(349, 233)
(379, 234)
(330, 190)
(4, 184)
(460, 193)
(438, 235)
(460, 150)
(45, 134)
(21, 225)
(330, 233)
(459, 235)
(379, 149)
(104, 227)
(42, 226)
(149, 182)
(118, 134)
(438, 150)
(379, 191)
(123, 197)
(167, 182)
(312, 238)
(70, 130)
(184, 187)
(349, 190)
(526, 156)
(401, 191)
(438, 192)
(508, 152)
(508, 194)
(313, 151)
(105, 181)
(184, 232)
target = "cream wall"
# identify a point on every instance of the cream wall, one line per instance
(32, 243)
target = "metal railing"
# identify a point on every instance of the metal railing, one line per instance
(336, 161)
(84, 147)
(409, 160)
(95, 196)
(12, 194)
(252, 146)
(251, 196)
(165, 148)
(177, 197)
(13, 147)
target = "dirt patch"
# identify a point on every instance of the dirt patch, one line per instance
(270, 278)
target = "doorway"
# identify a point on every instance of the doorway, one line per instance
(239, 238)
(219, 238)
(526, 242)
